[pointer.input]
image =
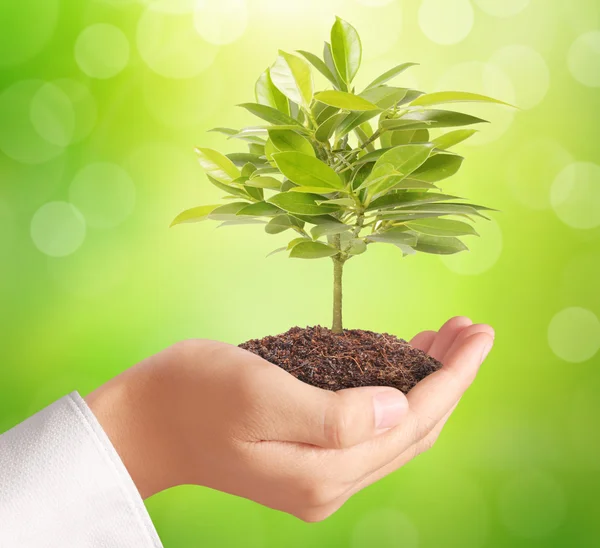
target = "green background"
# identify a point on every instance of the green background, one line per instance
(106, 117)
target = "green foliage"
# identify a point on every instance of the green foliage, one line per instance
(341, 169)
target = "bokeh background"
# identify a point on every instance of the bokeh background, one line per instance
(101, 104)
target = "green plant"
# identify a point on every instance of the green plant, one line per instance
(339, 182)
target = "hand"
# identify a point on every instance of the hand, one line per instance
(212, 414)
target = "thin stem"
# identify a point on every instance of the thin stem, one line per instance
(338, 270)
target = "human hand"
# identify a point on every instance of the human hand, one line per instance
(211, 414)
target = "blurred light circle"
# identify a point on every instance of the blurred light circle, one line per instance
(102, 51)
(584, 59)
(483, 253)
(446, 22)
(384, 528)
(487, 79)
(574, 334)
(503, 8)
(380, 29)
(531, 504)
(83, 104)
(26, 29)
(532, 168)
(221, 22)
(52, 115)
(99, 267)
(170, 46)
(527, 71)
(575, 195)
(19, 138)
(104, 193)
(183, 103)
(58, 229)
(374, 3)
(170, 6)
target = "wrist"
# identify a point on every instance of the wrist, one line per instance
(131, 411)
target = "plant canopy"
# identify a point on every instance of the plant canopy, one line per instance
(341, 170)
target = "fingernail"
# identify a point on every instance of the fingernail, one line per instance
(390, 407)
(486, 351)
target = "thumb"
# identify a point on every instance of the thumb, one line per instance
(339, 420)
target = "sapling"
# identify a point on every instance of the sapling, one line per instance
(341, 169)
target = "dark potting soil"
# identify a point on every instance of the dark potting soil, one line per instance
(334, 361)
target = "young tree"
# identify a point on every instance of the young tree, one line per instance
(342, 169)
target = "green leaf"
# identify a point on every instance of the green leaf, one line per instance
(301, 204)
(431, 118)
(194, 215)
(437, 168)
(320, 65)
(411, 184)
(395, 165)
(345, 202)
(281, 223)
(385, 97)
(409, 136)
(439, 246)
(275, 251)
(264, 182)
(312, 250)
(233, 190)
(452, 138)
(392, 73)
(316, 219)
(255, 193)
(267, 94)
(346, 48)
(405, 199)
(240, 159)
(285, 140)
(442, 227)
(328, 127)
(260, 209)
(269, 114)
(224, 130)
(441, 97)
(330, 63)
(345, 100)
(292, 76)
(307, 170)
(217, 166)
(316, 190)
(357, 246)
(227, 212)
(329, 229)
(431, 208)
(394, 236)
(242, 221)
(248, 170)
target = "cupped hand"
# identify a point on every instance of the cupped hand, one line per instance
(212, 414)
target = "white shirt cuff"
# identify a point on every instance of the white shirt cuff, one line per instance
(62, 484)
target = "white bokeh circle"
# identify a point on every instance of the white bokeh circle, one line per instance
(170, 6)
(531, 504)
(527, 71)
(19, 138)
(575, 195)
(483, 253)
(446, 22)
(102, 51)
(380, 29)
(52, 115)
(84, 107)
(502, 8)
(584, 59)
(26, 29)
(487, 79)
(384, 528)
(58, 229)
(574, 334)
(374, 3)
(531, 169)
(104, 193)
(170, 46)
(221, 22)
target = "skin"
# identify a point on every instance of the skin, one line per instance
(211, 414)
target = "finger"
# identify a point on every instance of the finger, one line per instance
(471, 330)
(446, 336)
(435, 395)
(423, 340)
(298, 412)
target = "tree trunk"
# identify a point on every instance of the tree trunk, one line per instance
(338, 269)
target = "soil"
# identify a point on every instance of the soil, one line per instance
(334, 361)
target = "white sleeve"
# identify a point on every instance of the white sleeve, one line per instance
(63, 485)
